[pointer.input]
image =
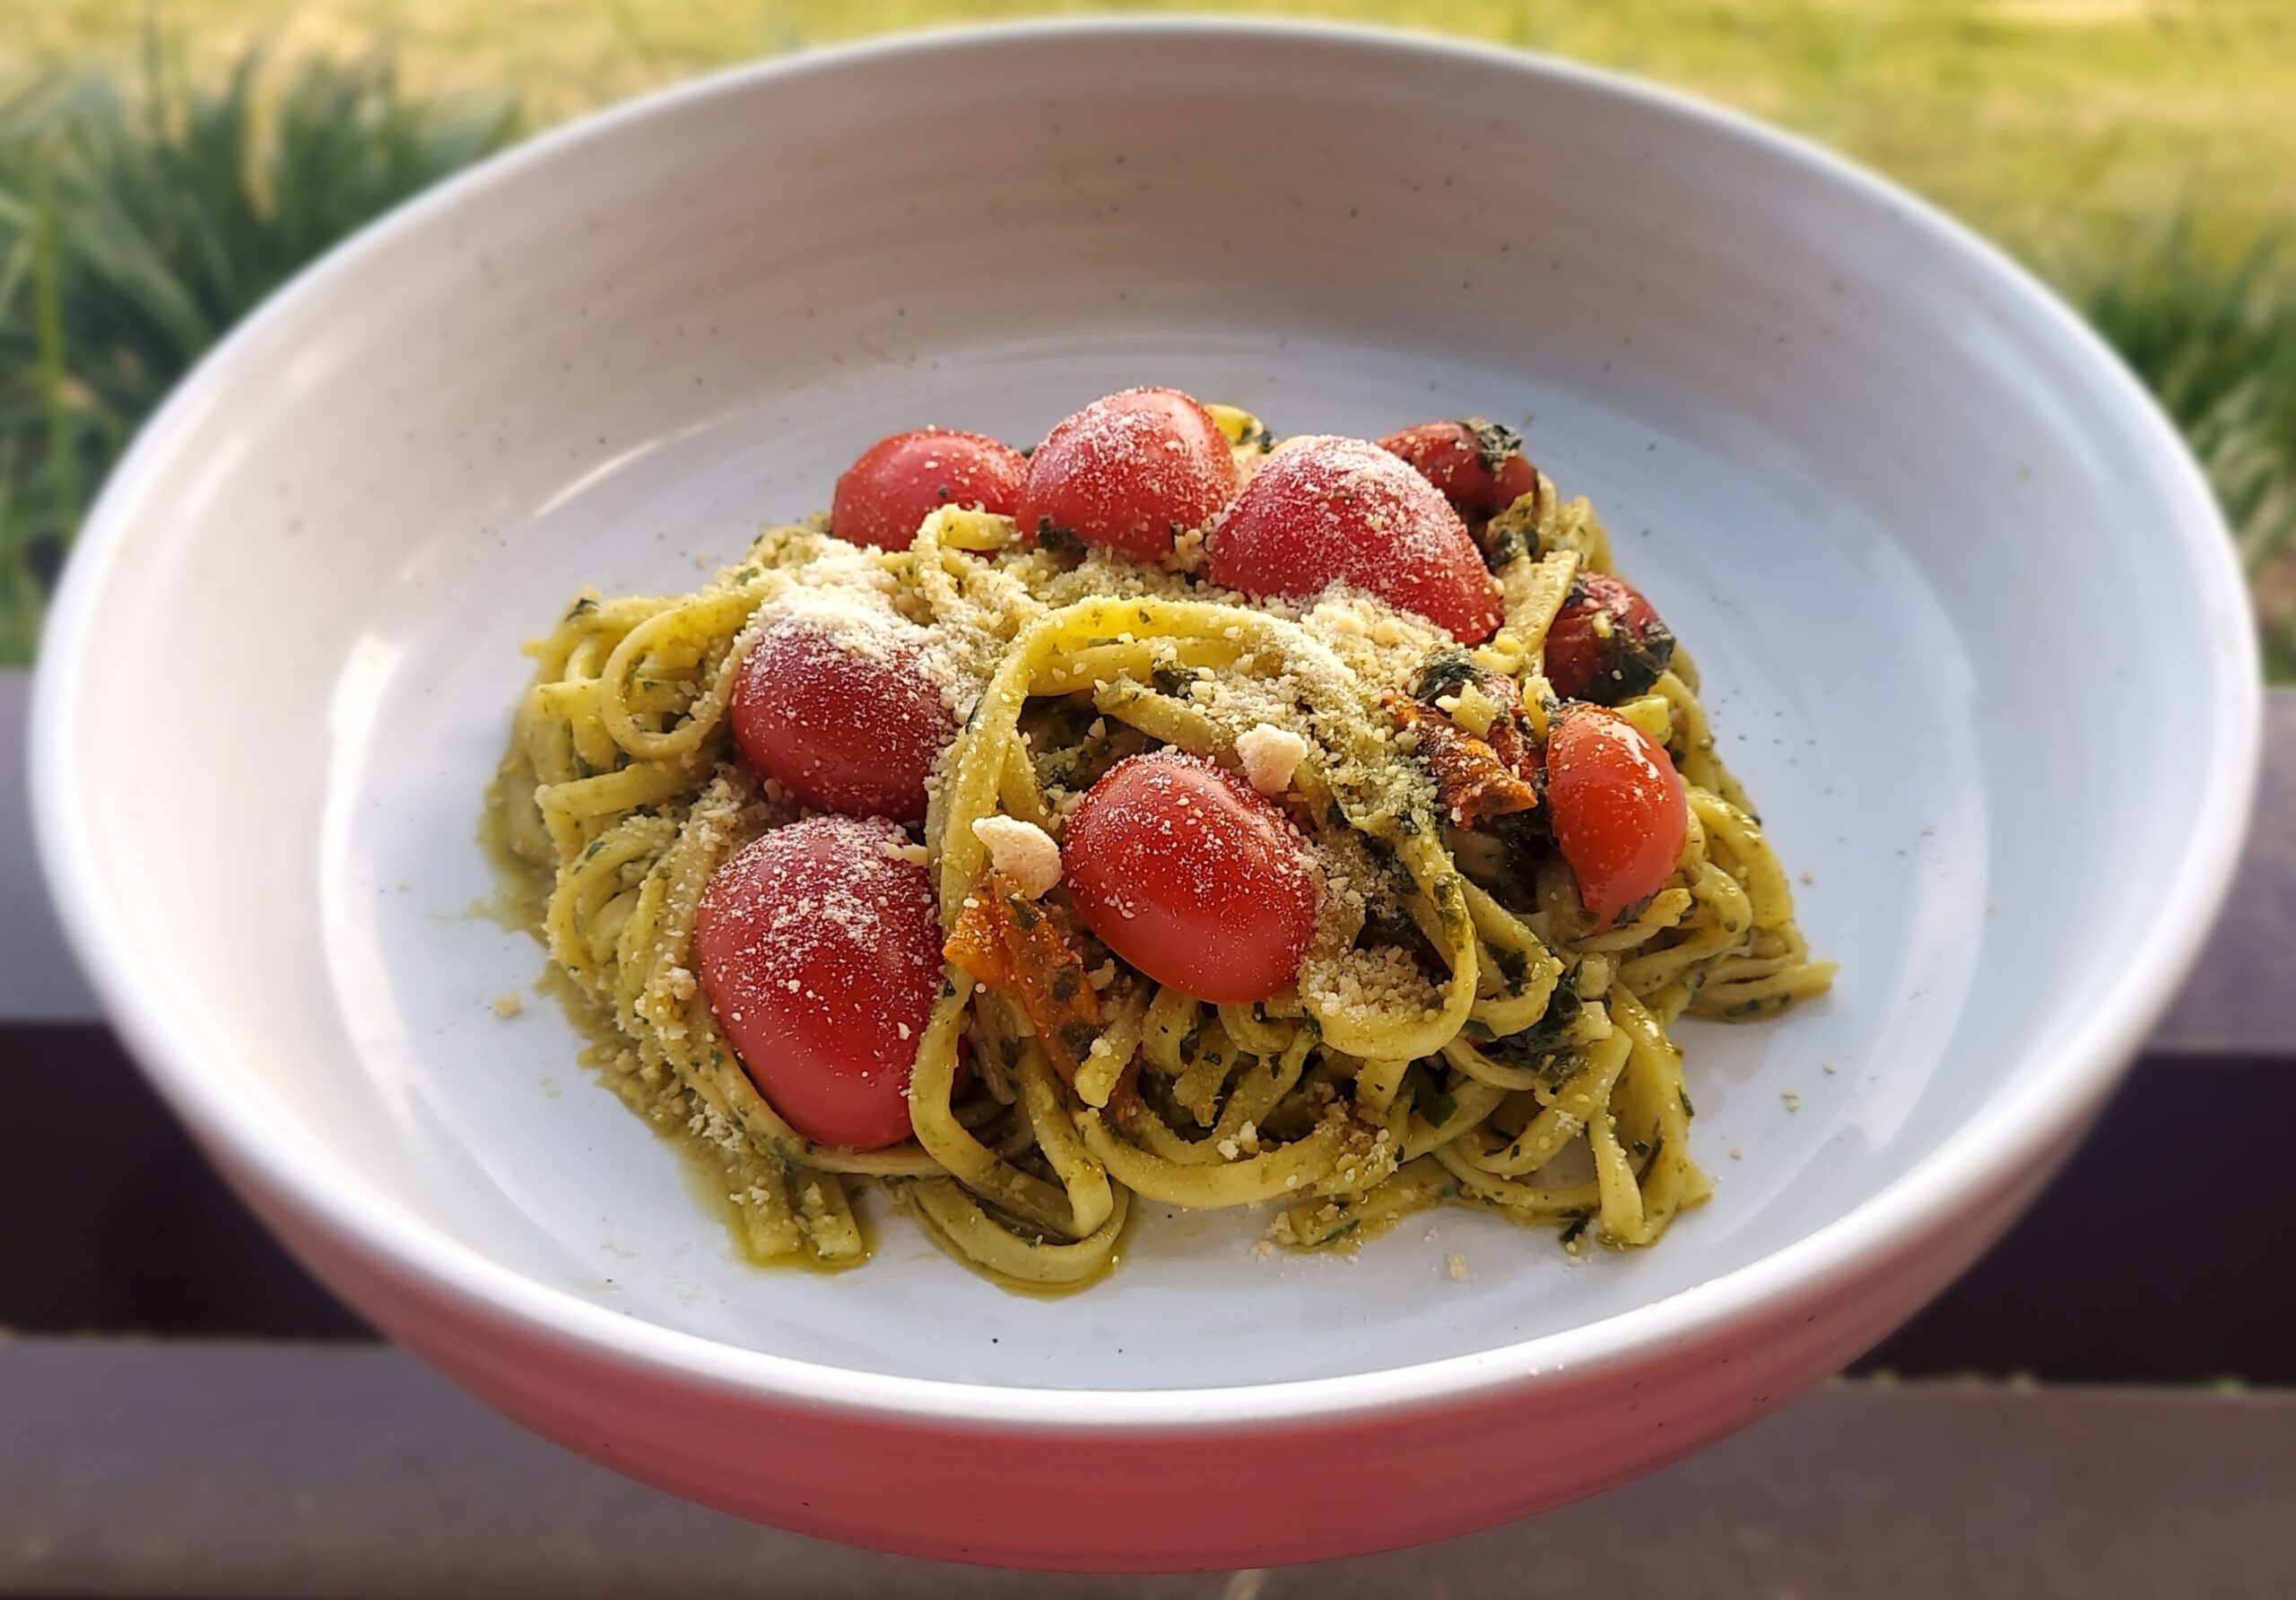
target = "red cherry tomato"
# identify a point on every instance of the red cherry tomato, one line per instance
(1129, 472)
(1619, 817)
(821, 955)
(1192, 877)
(900, 481)
(844, 720)
(1606, 643)
(1478, 464)
(1324, 509)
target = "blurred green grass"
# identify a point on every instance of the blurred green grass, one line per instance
(139, 221)
(2138, 153)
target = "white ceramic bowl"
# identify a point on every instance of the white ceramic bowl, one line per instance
(1971, 626)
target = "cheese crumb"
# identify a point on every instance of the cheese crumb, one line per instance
(506, 1006)
(1475, 711)
(907, 851)
(1455, 1265)
(1022, 851)
(1270, 755)
(1792, 1097)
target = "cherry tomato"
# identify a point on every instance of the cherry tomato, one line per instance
(1323, 509)
(1606, 643)
(820, 956)
(899, 482)
(1478, 464)
(1192, 877)
(1618, 815)
(1130, 472)
(845, 720)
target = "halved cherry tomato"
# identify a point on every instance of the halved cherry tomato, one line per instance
(1130, 472)
(1324, 509)
(1619, 817)
(820, 956)
(845, 720)
(1478, 464)
(1192, 877)
(900, 481)
(1606, 644)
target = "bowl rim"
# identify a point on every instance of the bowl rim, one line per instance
(2038, 1120)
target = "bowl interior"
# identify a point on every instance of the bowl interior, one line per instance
(1943, 580)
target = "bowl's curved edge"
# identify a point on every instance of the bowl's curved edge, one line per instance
(2031, 1129)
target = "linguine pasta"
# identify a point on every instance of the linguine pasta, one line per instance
(1460, 1031)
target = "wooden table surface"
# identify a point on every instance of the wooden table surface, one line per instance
(181, 1470)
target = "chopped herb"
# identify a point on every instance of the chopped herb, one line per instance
(1684, 1095)
(1514, 967)
(1078, 1036)
(582, 769)
(1447, 671)
(1336, 815)
(1542, 1037)
(581, 608)
(1023, 913)
(1168, 677)
(1576, 1226)
(1064, 984)
(1502, 545)
(1494, 442)
(1010, 1050)
(1440, 1108)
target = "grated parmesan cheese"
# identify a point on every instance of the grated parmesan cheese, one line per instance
(1270, 755)
(1022, 851)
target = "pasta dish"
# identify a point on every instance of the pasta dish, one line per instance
(1166, 814)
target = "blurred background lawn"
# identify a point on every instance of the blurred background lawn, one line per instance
(162, 167)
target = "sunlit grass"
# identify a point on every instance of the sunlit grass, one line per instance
(2214, 337)
(2136, 152)
(138, 224)
(2029, 118)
